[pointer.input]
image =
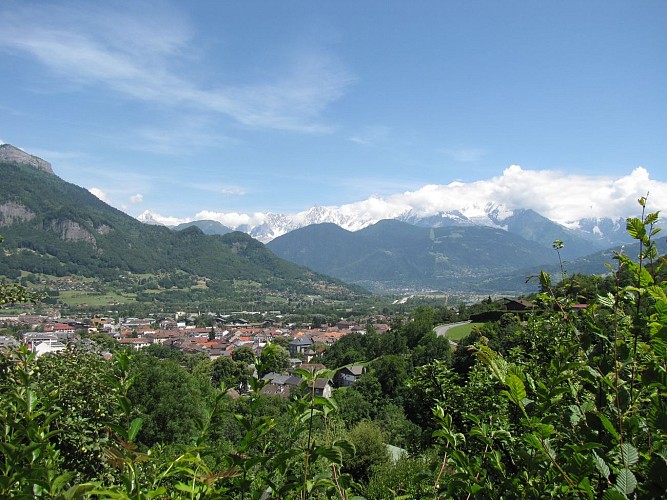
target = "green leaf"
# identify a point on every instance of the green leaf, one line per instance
(125, 404)
(186, 488)
(345, 445)
(645, 279)
(651, 218)
(601, 466)
(630, 454)
(320, 401)
(635, 228)
(545, 280)
(134, 428)
(304, 374)
(333, 454)
(626, 481)
(609, 427)
(60, 481)
(122, 432)
(516, 388)
(607, 300)
(534, 442)
(613, 494)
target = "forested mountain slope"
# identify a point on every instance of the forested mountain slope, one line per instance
(394, 255)
(54, 227)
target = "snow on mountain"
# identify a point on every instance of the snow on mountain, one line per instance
(353, 217)
(592, 207)
(149, 217)
(605, 230)
(268, 226)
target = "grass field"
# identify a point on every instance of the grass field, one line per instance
(461, 331)
(76, 298)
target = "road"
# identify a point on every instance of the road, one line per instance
(441, 330)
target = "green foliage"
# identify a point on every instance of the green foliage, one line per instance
(563, 402)
(274, 358)
(12, 293)
(585, 394)
(371, 452)
(407, 478)
(167, 398)
(392, 372)
(229, 372)
(30, 463)
(86, 402)
(244, 355)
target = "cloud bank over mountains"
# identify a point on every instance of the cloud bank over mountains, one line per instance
(563, 198)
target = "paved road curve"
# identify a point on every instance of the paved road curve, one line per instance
(441, 330)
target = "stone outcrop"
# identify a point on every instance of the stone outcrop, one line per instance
(73, 231)
(11, 212)
(103, 229)
(11, 154)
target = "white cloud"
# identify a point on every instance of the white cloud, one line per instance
(137, 198)
(464, 155)
(141, 53)
(232, 219)
(155, 218)
(559, 196)
(232, 191)
(100, 194)
(371, 135)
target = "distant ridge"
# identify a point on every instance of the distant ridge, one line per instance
(392, 255)
(207, 226)
(586, 237)
(12, 154)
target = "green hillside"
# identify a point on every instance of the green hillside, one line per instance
(394, 255)
(55, 228)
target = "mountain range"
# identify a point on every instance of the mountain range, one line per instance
(453, 257)
(55, 227)
(582, 237)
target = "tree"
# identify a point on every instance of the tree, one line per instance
(164, 352)
(431, 347)
(13, 293)
(87, 405)
(371, 391)
(398, 430)
(353, 407)
(273, 359)
(227, 371)
(244, 354)
(392, 372)
(370, 451)
(281, 341)
(168, 398)
(421, 323)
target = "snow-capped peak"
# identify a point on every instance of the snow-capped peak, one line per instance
(149, 217)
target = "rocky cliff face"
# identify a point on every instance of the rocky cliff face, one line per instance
(73, 231)
(11, 154)
(11, 212)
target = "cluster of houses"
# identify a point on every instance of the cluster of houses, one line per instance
(224, 339)
(279, 384)
(56, 334)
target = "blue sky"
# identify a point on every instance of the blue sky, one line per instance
(240, 107)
